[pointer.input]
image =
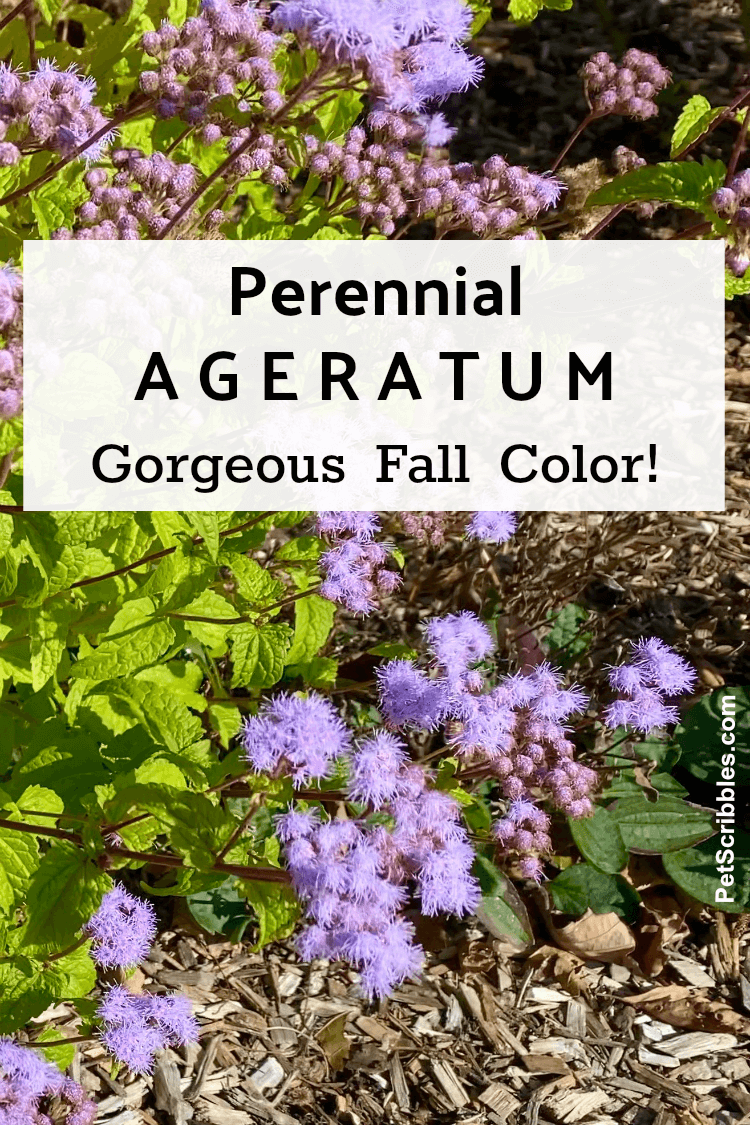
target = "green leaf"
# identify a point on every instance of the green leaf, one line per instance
(394, 650)
(313, 620)
(666, 825)
(259, 654)
(65, 891)
(25, 992)
(226, 719)
(524, 11)
(254, 584)
(736, 286)
(60, 1056)
(197, 829)
(501, 910)
(220, 910)
(699, 737)
(694, 870)
(684, 183)
(696, 116)
(276, 908)
(599, 840)
(206, 524)
(48, 627)
(19, 859)
(134, 640)
(582, 887)
(320, 672)
(565, 640)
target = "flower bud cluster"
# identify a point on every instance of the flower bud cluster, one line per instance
(628, 89)
(732, 203)
(261, 152)
(354, 569)
(225, 51)
(137, 201)
(48, 109)
(655, 674)
(387, 182)
(426, 527)
(34, 1092)
(626, 160)
(11, 342)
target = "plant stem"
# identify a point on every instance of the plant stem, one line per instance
(49, 173)
(739, 145)
(64, 952)
(240, 828)
(610, 218)
(15, 11)
(591, 116)
(64, 1042)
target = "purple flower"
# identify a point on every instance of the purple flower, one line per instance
(655, 673)
(629, 88)
(136, 1027)
(361, 525)
(458, 640)
(408, 697)
(495, 526)
(122, 930)
(374, 769)
(296, 737)
(30, 1088)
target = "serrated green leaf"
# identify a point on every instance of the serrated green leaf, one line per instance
(313, 620)
(276, 908)
(226, 719)
(684, 183)
(48, 628)
(19, 859)
(696, 116)
(259, 654)
(206, 524)
(736, 286)
(254, 584)
(134, 640)
(66, 889)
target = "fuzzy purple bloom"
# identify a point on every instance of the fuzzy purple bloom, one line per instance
(408, 697)
(30, 1087)
(296, 737)
(458, 640)
(136, 1027)
(122, 930)
(495, 526)
(655, 674)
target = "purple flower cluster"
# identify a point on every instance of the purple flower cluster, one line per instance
(410, 53)
(295, 737)
(732, 203)
(225, 51)
(654, 674)
(353, 908)
(138, 201)
(428, 844)
(48, 109)
(516, 731)
(496, 527)
(385, 181)
(136, 1027)
(11, 348)
(122, 930)
(354, 568)
(353, 877)
(629, 88)
(29, 1085)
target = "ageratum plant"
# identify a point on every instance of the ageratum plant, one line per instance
(170, 727)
